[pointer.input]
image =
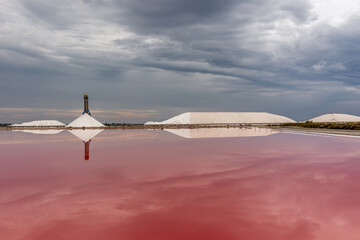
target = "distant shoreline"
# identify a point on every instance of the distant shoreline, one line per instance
(319, 126)
(297, 126)
(139, 126)
(283, 128)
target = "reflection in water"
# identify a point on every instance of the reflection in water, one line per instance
(42, 132)
(279, 187)
(87, 150)
(86, 135)
(222, 132)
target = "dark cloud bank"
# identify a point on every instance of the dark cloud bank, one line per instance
(171, 56)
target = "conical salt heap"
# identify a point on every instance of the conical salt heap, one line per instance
(85, 120)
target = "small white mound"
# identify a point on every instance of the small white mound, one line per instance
(85, 135)
(225, 118)
(222, 132)
(85, 120)
(40, 123)
(336, 117)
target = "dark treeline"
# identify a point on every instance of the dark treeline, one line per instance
(122, 124)
(309, 124)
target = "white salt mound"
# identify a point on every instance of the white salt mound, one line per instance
(87, 134)
(40, 123)
(225, 118)
(222, 132)
(85, 120)
(336, 117)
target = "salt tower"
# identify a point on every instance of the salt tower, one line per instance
(79, 126)
(86, 104)
(85, 120)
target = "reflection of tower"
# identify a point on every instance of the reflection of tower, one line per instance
(86, 104)
(87, 150)
(86, 136)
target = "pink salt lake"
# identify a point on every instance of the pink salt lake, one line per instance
(155, 185)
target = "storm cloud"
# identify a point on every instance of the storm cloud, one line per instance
(297, 59)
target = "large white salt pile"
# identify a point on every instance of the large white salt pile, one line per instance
(87, 134)
(225, 118)
(222, 132)
(40, 123)
(85, 120)
(336, 117)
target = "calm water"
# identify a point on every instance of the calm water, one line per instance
(155, 185)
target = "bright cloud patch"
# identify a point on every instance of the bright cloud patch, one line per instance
(324, 66)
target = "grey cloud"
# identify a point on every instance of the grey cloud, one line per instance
(23, 51)
(174, 13)
(217, 42)
(48, 12)
(26, 61)
(298, 10)
(161, 14)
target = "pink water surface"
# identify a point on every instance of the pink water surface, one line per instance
(152, 185)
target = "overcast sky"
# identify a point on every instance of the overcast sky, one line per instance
(145, 60)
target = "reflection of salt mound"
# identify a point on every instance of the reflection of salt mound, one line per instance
(40, 123)
(221, 132)
(85, 135)
(85, 120)
(336, 117)
(225, 118)
(44, 132)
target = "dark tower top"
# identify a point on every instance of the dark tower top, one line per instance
(86, 104)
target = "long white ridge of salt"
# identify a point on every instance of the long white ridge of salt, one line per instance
(225, 118)
(40, 123)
